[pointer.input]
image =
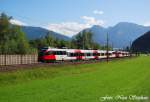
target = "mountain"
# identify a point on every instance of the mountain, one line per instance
(120, 35)
(142, 44)
(38, 32)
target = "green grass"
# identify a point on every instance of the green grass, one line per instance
(78, 83)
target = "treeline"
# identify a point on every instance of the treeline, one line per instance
(83, 40)
(14, 41)
(48, 40)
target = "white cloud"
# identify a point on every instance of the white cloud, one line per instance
(98, 12)
(17, 22)
(67, 28)
(147, 24)
(92, 21)
(72, 28)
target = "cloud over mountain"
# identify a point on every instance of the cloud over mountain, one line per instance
(72, 28)
(147, 24)
(17, 22)
(67, 28)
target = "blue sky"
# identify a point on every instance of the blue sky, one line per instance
(71, 16)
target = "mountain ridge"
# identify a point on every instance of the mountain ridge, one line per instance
(38, 32)
(120, 35)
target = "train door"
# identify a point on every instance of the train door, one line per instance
(95, 54)
(60, 55)
(78, 54)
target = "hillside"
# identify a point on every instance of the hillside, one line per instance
(142, 44)
(120, 35)
(38, 32)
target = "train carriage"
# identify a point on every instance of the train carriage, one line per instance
(88, 54)
(102, 54)
(48, 54)
(52, 54)
(71, 54)
(112, 55)
(60, 54)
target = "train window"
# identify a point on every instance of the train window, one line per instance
(109, 54)
(48, 53)
(114, 52)
(89, 54)
(81, 54)
(71, 54)
(102, 54)
(55, 52)
(41, 53)
(94, 54)
(64, 52)
(59, 52)
(75, 54)
(98, 54)
(44, 48)
(84, 54)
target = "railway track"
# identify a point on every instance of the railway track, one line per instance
(9, 68)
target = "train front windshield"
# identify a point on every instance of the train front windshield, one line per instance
(41, 53)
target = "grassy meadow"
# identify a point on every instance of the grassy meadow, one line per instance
(78, 83)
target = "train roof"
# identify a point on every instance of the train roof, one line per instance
(79, 50)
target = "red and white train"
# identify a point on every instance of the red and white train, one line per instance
(48, 54)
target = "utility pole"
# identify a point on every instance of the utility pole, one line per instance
(112, 45)
(107, 52)
(130, 48)
(83, 46)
